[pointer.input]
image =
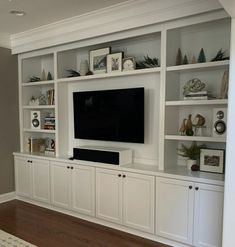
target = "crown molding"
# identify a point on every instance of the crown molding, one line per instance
(229, 6)
(120, 17)
(5, 40)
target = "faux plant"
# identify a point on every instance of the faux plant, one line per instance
(148, 63)
(220, 56)
(73, 73)
(192, 152)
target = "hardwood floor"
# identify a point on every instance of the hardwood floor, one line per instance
(46, 228)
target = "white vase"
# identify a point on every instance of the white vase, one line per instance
(190, 163)
(84, 67)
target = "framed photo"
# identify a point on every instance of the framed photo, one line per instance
(114, 62)
(212, 160)
(128, 63)
(98, 60)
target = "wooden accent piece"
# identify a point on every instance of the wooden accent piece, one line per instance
(47, 228)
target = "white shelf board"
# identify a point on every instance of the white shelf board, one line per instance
(207, 65)
(38, 107)
(37, 83)
(40, 131)
(195, 138)
(109, 75)
(197, 102)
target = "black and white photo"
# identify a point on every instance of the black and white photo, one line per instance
(114, 62)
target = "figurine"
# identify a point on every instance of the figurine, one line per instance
(199, 120)
(178, 57)
(201, 57)
(183, 127)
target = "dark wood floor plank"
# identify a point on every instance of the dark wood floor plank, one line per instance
(47, 228)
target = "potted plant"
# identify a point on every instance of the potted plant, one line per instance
(191, 152)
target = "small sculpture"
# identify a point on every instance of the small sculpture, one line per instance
(192, 86)
(84, 67)
(199, 120)
(73, 73)
(224, 85)
(43, 75)
(220, 56)
(201, 57)
(183, 127)
(49, 76)
(189, 124)
(34, 79)
(193, 60)
(178, 57)
(185, 60)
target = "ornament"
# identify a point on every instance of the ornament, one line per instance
(43, 75)
(178, 57)
(49, 76)
(193, 60)
(185, 60)
(201, 57)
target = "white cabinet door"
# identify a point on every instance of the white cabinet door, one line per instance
(60, 184)
(83, 189)
(208, 219)
(40, 180)
(174, 209)
(23, 176)
(138, 199)
(109, 195)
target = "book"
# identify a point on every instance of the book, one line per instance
(205, 97)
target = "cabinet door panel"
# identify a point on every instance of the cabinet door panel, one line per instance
(174, 209)
(109, 195)
(23, 177)
(138, 199)
(208, 219)
(41, 180)
(60, 185)
(83, 190)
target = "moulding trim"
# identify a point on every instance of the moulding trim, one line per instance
(7, 197)
(125, 16)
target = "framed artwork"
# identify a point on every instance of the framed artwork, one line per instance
(98, 60)
(212, 160)
(114, 62)
(128, 63)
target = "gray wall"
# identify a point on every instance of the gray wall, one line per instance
(9, 119)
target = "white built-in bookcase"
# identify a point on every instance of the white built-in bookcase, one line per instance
(164, 104)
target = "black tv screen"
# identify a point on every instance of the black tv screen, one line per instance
(110, 115)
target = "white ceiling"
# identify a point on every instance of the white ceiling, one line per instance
(42, 12)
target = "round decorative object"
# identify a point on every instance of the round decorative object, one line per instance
(193, 86)
(128, 63)
(190, 163)
(195, 167)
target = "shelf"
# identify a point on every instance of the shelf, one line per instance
(38, 83)
(39, 107)
(40, 131)
(195, 138)
(109, 75)
(197, 102)
(207, 65)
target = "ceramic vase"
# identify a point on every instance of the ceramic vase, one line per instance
(190, 163)
(83, 67)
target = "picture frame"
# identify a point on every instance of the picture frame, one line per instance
(128, 63)
(114, 62)
(98, 60)
(212, 160)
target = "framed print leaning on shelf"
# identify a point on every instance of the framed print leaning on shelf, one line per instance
(114, 62)
(212, 160)
(98, 60)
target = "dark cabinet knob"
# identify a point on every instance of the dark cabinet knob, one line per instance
(72, 167)
(190, 187)
(124, 176)
(119, 175)
(197, 188)
(68, 167)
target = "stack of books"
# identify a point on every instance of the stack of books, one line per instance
(202, 95)
(51, 97)
(49, 123)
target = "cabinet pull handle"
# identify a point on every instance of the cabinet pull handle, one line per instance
(68, 167)
(119, 175)
(190, 187)
(72, 167)
(28, 161)
(197, 188)
(124, 176)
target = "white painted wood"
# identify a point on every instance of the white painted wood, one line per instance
(23, 177)
(208, 216)
(39, 83)
(83, 190)
(7, 197)
(197, 102)
(40, 180)
(195, 138)
(174, 210)
(229, 202)
(138, 201)
(38, 107)
(60, 185)
(109, 195)
(39, 131)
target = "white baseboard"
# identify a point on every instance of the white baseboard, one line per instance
(7, 197)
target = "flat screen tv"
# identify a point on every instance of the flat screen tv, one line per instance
(109, 115)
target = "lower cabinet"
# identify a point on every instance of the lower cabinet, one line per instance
(189, 212)
(73, 187)
(32, 178)
(125, 198)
